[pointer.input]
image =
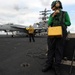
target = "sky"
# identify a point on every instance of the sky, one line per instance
(26, 12)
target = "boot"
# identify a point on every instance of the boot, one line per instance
(57, 70)
(46, 68)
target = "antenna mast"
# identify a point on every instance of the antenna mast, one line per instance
(44, 17)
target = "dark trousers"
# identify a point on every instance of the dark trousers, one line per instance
(55, 50)
(31, 37)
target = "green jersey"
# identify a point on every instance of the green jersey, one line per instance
(59, 19)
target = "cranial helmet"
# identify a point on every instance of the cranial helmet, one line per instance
(54, 3)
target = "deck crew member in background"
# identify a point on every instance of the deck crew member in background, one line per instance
(31, 33)
(55, 50)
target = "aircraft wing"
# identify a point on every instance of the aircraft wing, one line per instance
(19, 28)
(7, 28)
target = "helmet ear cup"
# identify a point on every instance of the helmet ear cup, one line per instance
(53, 4)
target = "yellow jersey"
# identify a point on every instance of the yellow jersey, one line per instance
(31, 30)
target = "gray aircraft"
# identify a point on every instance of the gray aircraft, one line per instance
(12, 28)
(20, 29)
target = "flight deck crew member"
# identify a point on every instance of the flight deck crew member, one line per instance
(31, 33)
(56, 44)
